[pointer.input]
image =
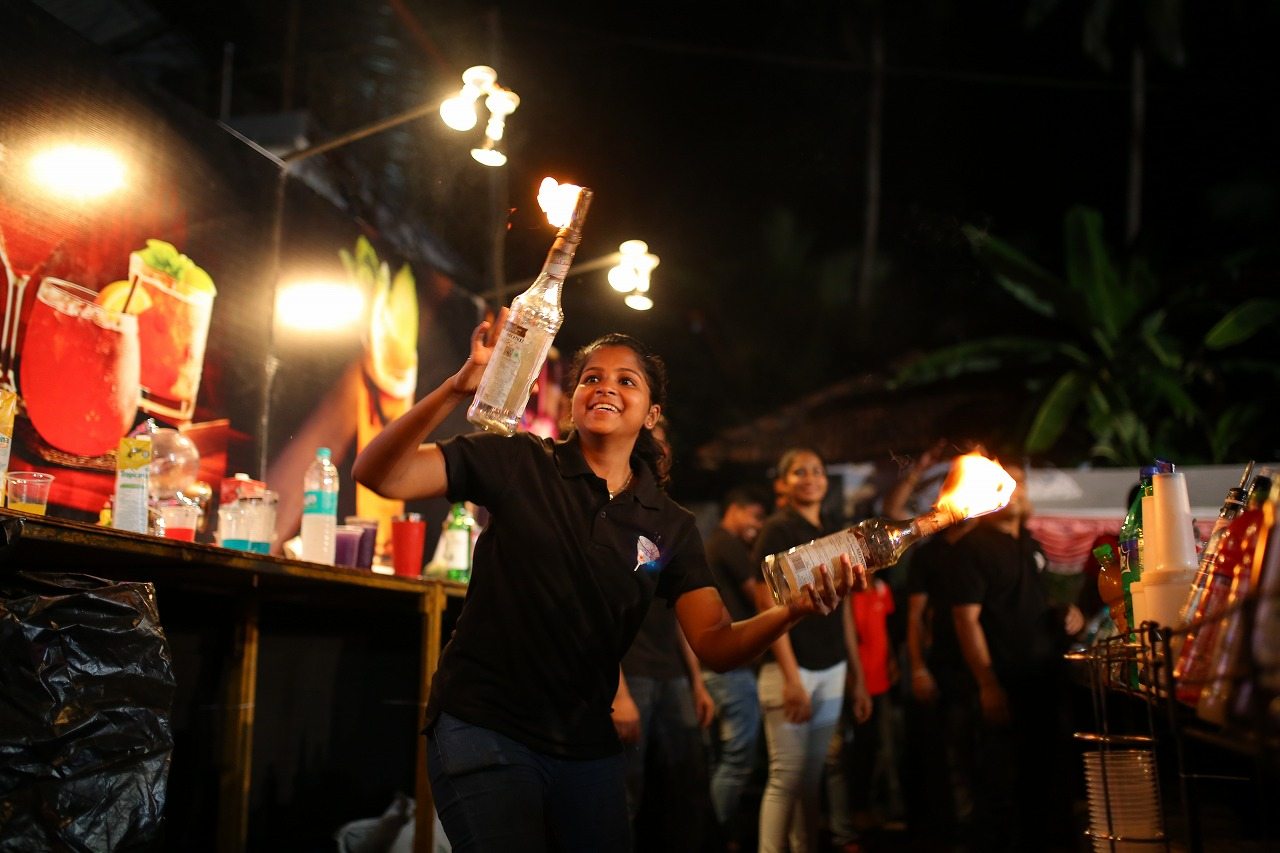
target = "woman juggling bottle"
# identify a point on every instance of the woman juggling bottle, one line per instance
(522, 751)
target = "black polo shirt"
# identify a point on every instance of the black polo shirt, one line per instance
(655, 652)
(731, 566)
(818, 641)
(561, 580)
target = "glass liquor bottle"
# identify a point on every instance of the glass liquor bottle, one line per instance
(456, 536)
(876, 543)
(1228, 664)
(1231, 507)
(526, 338)
(1265, 642)
(1195, 660)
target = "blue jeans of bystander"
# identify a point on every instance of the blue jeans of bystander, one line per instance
(738, 715)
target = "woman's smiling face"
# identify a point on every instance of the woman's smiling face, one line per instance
(804, 482)
(612, 394)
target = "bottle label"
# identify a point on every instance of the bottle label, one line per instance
(558, 262)
(319, 503)
(456, 551)
(512, 368)
(799, 565)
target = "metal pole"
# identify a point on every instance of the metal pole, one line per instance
(499, 191)
(359, 133)
(502, 291)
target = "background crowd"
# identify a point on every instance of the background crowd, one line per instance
(929, 714)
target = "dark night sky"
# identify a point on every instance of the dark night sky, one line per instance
(695, 133)
(700, 131)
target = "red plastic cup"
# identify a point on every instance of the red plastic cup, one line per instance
(408, 536)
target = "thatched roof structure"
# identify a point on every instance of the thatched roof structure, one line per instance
(861, 420)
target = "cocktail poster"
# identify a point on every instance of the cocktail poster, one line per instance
(156, 269)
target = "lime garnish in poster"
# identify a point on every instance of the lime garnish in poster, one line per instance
(166, 258)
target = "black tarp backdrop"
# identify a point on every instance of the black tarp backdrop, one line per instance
(336, 688)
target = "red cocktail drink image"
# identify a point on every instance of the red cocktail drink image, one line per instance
(79, 373)
(173, 329)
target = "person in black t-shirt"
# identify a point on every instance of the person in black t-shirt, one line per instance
(737, 702)
(1012, 640)
(940, 706)
(522, 752)
(659, 712)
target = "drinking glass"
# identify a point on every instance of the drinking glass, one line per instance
(346, 539)
(368, 539)
(408, 536)
(28, 491)
(172, 330)
(22, 252)
(180, 521)
(79, 373)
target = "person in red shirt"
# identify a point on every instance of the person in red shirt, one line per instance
(874, 756)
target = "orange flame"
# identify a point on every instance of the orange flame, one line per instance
(975, 485)
(558, 201)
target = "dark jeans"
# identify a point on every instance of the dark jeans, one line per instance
(1024, 772)
(668, 795)
(940, 743)
(496, 795)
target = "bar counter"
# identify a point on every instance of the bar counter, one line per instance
(243, 583)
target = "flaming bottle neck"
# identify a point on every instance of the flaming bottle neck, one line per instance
(566, 243)
(936, 519)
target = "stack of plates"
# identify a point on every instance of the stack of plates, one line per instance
(1124, 799)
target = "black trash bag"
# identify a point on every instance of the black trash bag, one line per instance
(86, 689)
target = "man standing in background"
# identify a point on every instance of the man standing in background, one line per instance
(737, 702)
(1012, 640)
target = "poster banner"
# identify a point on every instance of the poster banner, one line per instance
(159, 269)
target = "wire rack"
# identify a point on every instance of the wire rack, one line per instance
(1133, 695)
(1121, 762)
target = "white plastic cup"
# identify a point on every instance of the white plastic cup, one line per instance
(1138, 594)
(1164, 592)
(233, 526)
(1174, 533)
(180, 521)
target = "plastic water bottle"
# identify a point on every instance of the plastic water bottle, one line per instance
(319, 509)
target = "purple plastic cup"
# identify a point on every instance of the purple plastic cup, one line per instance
(346, 544)
(368, 540)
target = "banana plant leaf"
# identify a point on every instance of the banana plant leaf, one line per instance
(1055, 412)
(1028, 282)
(971, 357)
(1242, 322)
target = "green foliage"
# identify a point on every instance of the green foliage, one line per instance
(1243, 323)
(1128, 363)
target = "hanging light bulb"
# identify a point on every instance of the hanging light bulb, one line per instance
(459, 112)
(631, 275)
(501, 103)
(488, 154)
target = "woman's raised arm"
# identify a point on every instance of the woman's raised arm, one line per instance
(395, 463)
